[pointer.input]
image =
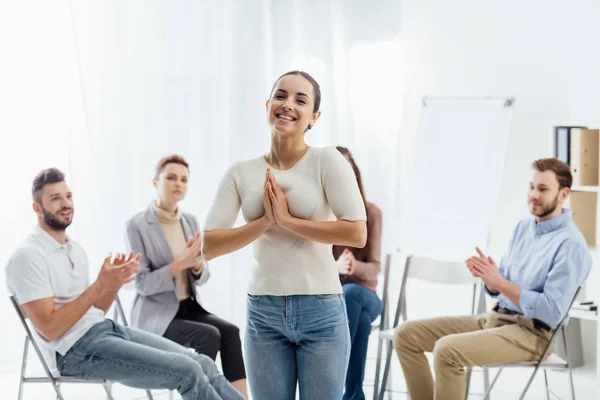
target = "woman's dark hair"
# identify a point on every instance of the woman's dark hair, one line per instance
(313, 82)
(346, 153)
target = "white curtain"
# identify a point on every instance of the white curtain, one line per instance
(106, 89)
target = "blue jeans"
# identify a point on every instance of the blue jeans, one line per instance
(363, 308)
(146, 361)
(301, 340)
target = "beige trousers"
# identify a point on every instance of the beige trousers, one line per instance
(459, 342)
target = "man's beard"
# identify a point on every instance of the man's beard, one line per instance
(548, 209)
(53, 222)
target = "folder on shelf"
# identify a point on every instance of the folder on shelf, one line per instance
(583, 154)
(583, 209)
(562, 142)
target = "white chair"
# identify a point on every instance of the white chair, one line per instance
(49, 376)
(553, 362)
(382, 323)
(433, 271)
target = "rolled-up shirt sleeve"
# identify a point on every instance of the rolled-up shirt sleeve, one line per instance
(569, 270)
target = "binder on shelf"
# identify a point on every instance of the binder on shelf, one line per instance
(584, 149)
(562, 142)
(583, 209)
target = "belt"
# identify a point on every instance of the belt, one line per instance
(536, 322)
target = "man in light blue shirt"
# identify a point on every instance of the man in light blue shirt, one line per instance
(547, 261)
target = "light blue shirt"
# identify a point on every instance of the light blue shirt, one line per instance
(548, 260)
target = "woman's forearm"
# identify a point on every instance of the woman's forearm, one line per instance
(224, 241)
(341, 233)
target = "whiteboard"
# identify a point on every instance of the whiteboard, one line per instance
(456, 177)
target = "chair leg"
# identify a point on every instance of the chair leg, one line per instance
(108, 388)
(59, 395)
(149, 395)
(23, 368)
(469, 370)
(486, 379)
(535, 370)
(571, 382)
(390, 386)
(20, 396)
(486, 396)
(377, 370)
(564, 337)
(386, 370)
(547, 387)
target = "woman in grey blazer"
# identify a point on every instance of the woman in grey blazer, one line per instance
(171, 267)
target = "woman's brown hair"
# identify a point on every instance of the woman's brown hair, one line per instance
(346, 153)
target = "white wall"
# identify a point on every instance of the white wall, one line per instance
(544, 53)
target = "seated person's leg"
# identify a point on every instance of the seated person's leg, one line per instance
(218, 381)
(506, 344)
(146, 361)
(358, 358)
(413, 338)
(203, 338)
(360, 299)
(230, 346)
(363, 307)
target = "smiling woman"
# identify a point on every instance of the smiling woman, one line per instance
(297, 202)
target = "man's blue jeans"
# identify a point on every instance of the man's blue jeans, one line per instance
(146, 361)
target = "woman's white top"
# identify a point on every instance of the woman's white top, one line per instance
(321, 186)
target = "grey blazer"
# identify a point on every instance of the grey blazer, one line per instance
(156, 301)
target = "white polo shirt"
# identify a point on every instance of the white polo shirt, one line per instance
(40, 268)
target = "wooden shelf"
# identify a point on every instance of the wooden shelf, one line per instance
(585, 189)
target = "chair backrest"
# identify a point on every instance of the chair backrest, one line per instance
(437, 271)
(120, 312)
(30, 336)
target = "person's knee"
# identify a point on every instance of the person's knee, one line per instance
(352, 291)
(207, 364)
(189, 372)
(208, 341)
(403, 334)
(230, 331)
(445, 350)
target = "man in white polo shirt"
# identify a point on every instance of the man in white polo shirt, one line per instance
(49, 276)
